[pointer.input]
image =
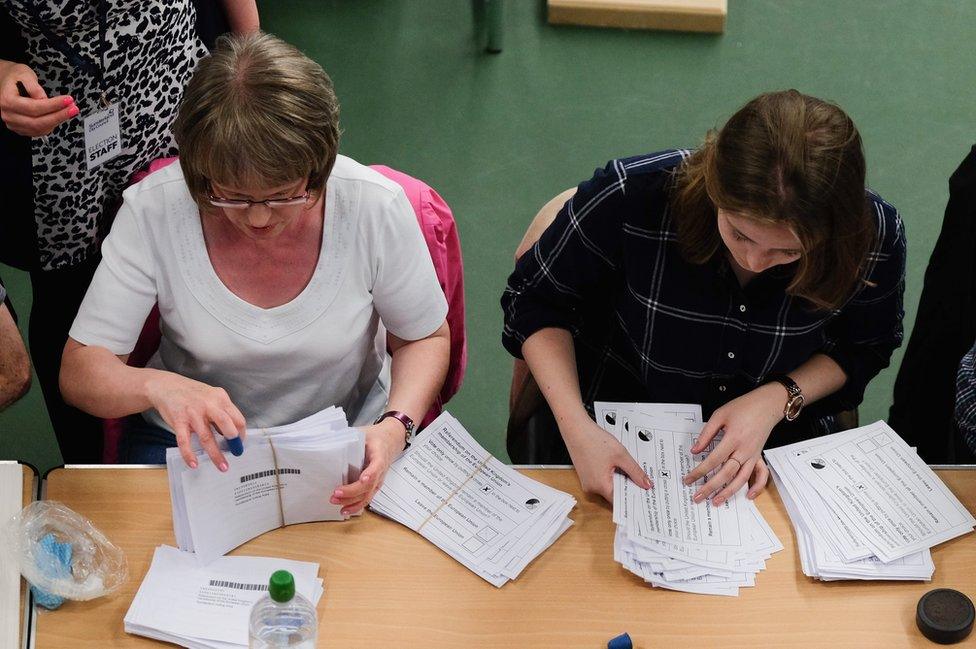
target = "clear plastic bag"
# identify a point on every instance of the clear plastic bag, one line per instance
(61, 553)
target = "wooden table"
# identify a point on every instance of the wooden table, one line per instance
(30, 483)
(386, 586)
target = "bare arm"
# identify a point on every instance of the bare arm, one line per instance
(97, 381)
(596, 455)
(542, 220)
(418, 370)
(242, 15)
(15, 372)
(819, 377)
(551, 357)
(417, 374)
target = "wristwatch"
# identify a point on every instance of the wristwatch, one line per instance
(407, 422)
(794, 400)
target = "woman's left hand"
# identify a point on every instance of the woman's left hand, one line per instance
(384, 442)
(747, 422)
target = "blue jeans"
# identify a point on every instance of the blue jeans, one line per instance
(144, 443)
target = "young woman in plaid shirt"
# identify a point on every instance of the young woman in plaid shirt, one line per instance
(756, 276)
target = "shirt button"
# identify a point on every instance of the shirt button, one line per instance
(721, 388)
(742, 308)
(731, 355)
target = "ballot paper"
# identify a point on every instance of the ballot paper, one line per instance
(864, 505)
(182, 602)
(284, 477)
(614, 417)
(484, 514)
(662, 535)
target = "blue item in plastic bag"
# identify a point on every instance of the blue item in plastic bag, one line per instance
(54, 559)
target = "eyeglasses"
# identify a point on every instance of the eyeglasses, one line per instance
(244, 204)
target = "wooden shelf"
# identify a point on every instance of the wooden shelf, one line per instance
(672, 15)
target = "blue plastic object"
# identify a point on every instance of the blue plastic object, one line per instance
(54, 560)
(235, 446)
(622, 641)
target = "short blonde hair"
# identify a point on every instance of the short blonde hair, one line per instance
(257, 111)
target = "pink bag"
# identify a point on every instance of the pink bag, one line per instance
(440, 232)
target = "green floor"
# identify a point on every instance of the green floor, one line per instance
(499, 135)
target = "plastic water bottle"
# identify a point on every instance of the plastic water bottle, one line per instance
(283, 618)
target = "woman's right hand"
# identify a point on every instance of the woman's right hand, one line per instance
(597, 455)
(37, 114)
(189, 407)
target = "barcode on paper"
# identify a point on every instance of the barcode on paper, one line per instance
(265, 474)
(237, 586)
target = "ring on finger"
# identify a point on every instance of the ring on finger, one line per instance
(732, 459)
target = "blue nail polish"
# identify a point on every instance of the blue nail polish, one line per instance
(235, 445)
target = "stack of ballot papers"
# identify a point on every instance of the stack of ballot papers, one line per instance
(284, 477)
(484, 514)
(662, 535)
(209, 607)
(864, 505)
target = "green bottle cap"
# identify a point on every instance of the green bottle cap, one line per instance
(281, 587)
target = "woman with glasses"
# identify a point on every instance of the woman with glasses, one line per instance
(283, 273)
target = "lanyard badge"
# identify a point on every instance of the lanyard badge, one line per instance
(103, 136)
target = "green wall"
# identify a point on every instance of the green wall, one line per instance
(497, 136)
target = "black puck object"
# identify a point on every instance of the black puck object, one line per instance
(945, 615)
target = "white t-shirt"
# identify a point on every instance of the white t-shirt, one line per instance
(325, 347)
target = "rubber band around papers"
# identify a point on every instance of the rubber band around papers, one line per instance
(277, 475)
(476, 471)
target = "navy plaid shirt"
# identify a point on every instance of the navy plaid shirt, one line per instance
(966, 398)
(650, 326)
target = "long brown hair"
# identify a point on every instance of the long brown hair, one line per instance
(791, 159)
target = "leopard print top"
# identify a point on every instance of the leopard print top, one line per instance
(151, 51)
